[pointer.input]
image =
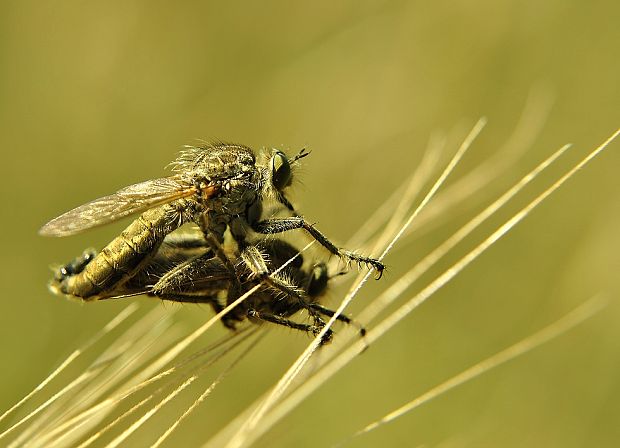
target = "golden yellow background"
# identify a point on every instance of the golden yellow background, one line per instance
(98, 95)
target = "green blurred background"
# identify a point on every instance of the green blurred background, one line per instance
(98, 95)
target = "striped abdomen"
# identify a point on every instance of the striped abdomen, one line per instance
(123, 256)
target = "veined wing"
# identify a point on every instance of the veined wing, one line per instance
(127, 201)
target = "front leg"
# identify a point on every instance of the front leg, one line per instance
(217, 248)
(279, 320)
(199, 279)
(255, 261)
(280, 225)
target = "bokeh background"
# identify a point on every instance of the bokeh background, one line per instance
(98, 95)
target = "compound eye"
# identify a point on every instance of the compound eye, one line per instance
(318, 280)
(280, 171)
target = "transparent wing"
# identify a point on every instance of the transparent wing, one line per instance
(127, 201)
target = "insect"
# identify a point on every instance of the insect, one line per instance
(219, 187)
(185, 270)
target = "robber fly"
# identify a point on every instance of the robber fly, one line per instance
(184, 270)
(218, 187)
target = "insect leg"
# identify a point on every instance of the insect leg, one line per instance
(228, 320)
(255, 261)
(341, 317)
(217, 248)
(316, 284)
(198, 280)
(279, 320)
(279, 225)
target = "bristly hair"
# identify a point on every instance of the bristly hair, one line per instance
(192, 156)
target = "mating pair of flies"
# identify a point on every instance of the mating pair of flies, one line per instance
(221, 189)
